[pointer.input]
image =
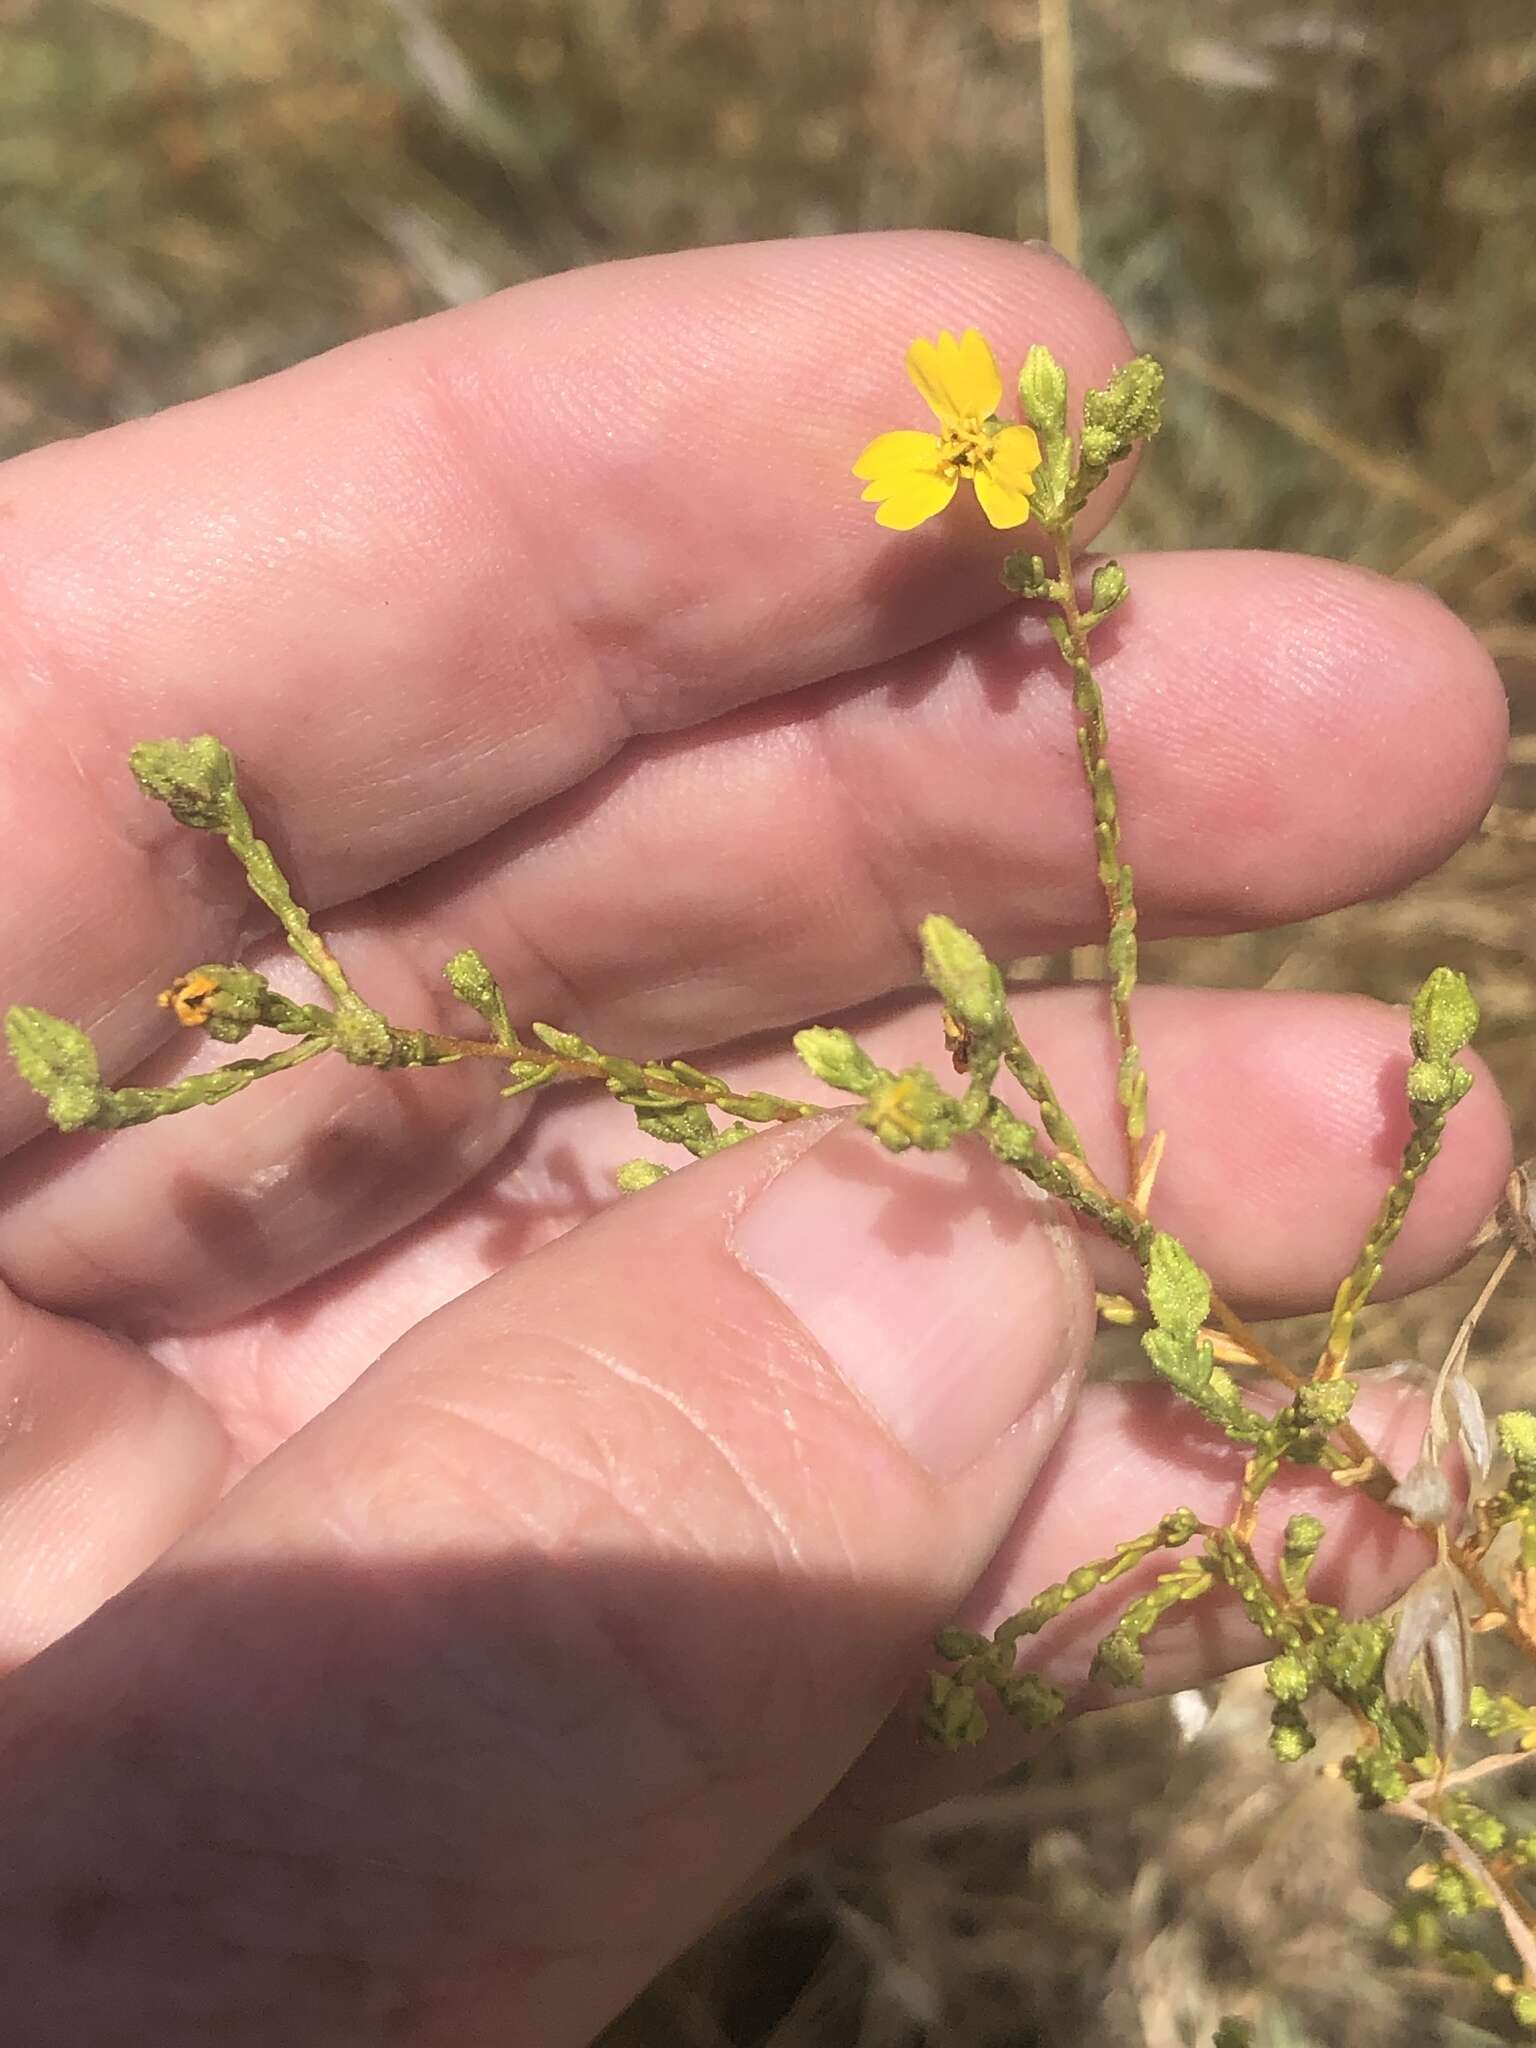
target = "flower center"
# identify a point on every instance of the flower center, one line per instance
(963, 449)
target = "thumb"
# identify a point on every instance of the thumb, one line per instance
(482, 1697)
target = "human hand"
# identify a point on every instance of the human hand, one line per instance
(572, 1572)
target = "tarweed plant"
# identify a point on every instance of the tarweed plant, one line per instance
(1407, 1680)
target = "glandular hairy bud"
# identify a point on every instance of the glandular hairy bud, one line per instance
(1127, 410)
(956, 965)
(1043, 390)
(1516, 1431)
(1444, 1015)
(836, 1057)
(57, 1059)
(194, 779)
(1109, 586)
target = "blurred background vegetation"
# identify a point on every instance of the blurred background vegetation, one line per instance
(1324, 217)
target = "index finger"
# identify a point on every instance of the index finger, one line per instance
(424, 582)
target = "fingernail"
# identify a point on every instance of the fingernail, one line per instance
(941, 1287)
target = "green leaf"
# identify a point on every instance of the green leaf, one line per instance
(194, 779)
(59, 1061)
(683, 1123)
(566, 1043)
(522, 1075)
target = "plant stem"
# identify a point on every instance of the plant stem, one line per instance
(1114, 873)
(439, 1047)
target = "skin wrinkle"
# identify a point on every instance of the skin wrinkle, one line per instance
(512, 1958)
(863, 840)
(560, 996)
(455, 1477)
(589, 695)
(500, 1420)
(773, 1516)
(643, 1525)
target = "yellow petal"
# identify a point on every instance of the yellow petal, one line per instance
(892, 455)
(1014, 458)
(1003, 505)
(958, 379)
(983, 383)
(915, 499)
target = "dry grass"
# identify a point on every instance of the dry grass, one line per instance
(1323, 216)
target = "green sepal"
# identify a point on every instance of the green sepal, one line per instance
(910, 1108)
(681, 1123)
(524, 1075)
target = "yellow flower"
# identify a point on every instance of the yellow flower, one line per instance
(910, 476)
(190, 996)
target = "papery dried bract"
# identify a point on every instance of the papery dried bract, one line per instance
(1429, 1663)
